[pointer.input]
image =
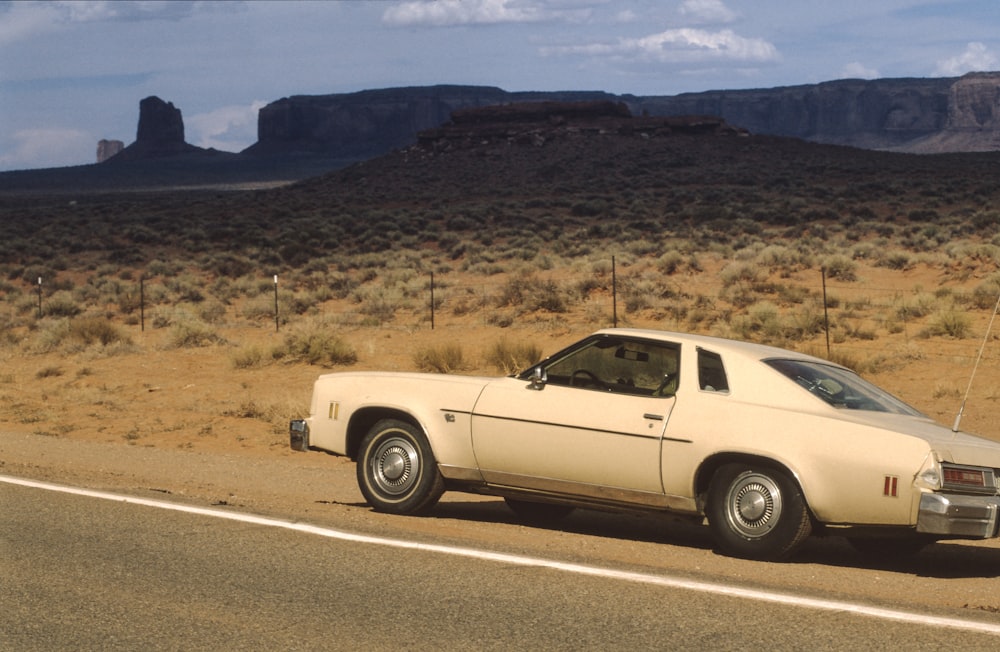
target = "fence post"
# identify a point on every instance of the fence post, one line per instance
(39, 297)
(826, 312)
(432, 300)
(614, 294)
(275, 303)
(142, 304)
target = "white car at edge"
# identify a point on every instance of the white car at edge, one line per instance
(768, 445)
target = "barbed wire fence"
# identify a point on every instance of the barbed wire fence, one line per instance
(844, 316)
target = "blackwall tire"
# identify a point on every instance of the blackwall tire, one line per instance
(397, 472)
(756, 512)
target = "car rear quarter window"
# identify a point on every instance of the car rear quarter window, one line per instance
(711, 372)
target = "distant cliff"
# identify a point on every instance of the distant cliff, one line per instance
(373, 122)
(919, 115)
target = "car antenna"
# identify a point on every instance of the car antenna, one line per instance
(989, 327)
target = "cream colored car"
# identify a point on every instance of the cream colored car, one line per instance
(768, 445)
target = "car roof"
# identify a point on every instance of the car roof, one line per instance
(720, 345)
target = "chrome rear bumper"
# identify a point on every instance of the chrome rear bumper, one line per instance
(973, 517)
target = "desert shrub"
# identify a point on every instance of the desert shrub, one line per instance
(670, 262)
(762, 321)
(80, 334)
(585, 286)
(841, 268)
(949, 323)
(805, 323)
(315, 342)
(741, 274)
(531, 293)
(512, 358)
(248, 357)
(898, 260)
(259, 308)
(97, 330)
(466, 303)
(919, 306)
(212, 312)
(49, 372)
(441, 359)
(61, 304)
(193, 334)
(379, 305)
(984, 295)
(163, 268)
(779, 258)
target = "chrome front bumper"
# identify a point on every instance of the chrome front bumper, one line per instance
(298, 435)
(972, 517)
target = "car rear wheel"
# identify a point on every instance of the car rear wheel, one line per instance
(538, 512)
(397, 472)
(757, 512)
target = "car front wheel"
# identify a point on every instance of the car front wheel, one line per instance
(756, 512)
(397, 472)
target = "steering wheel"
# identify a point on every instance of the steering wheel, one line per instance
(589, 379)
(667, 380)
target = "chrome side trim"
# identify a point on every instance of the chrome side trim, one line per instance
(589, 493)
(563, 425)
(958, 515)
(460, 473)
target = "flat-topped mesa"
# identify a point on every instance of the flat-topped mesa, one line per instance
(520, 112)
(535, 123)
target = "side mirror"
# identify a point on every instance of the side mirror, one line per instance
(538, 378)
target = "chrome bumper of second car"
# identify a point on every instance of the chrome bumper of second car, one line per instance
(959, 515)
(298, 435)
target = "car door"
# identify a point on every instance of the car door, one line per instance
(591, 423)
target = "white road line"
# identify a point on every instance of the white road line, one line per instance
(522, 560)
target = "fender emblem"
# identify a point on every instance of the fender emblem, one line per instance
(449, 417)
(891, 486)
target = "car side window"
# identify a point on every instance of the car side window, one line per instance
(617, 365)
(711, 372)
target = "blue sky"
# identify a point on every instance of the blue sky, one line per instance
(72, 73)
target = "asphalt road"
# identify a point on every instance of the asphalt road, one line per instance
(79, 572)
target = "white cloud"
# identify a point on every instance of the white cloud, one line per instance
(105, 10)
(856, 70)
(707, 11)
(23, 20)
(687, 45)
(440, 13)
(229, 128)
(976, 58)
(43, 148)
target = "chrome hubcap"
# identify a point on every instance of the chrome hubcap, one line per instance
(754, 505)
(395, 466)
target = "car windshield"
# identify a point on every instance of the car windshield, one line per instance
(841, 388)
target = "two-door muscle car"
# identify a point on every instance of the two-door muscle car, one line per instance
(768, 445)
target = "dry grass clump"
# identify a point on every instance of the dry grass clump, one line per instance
(192, 333)
(949, 323)
(83, 333)
(315, 342)
(512, 358)
(443, 359)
